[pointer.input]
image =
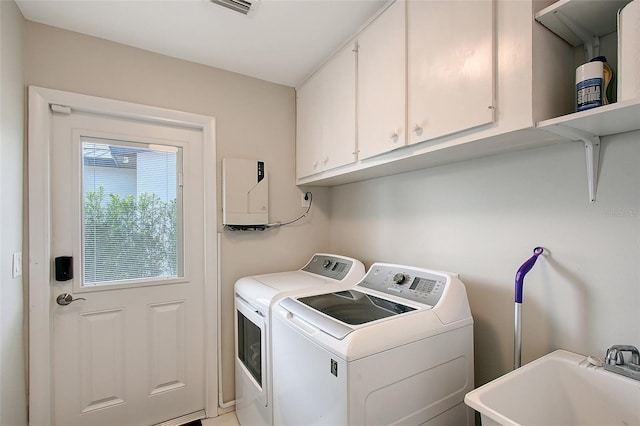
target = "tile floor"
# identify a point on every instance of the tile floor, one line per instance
(228, 419)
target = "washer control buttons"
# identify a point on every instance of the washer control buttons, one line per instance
(326, 264)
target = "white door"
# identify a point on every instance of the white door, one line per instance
(127, 207)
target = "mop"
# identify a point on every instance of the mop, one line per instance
(522, 271)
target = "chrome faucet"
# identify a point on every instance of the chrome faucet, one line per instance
(614, 361)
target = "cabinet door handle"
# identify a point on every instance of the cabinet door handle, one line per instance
(417, 129)
(326, 160)
(315, 164)
(394, 137)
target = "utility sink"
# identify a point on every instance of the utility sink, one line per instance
(561, 388)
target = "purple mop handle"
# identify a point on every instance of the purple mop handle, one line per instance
(526, 267)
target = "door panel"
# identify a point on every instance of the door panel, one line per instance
(132, 353)
(167, 346)
(102, 359)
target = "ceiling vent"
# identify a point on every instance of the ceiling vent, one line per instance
(240, 6)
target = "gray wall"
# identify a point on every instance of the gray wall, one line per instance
(254, 119)
(483, 218)
(13, 396)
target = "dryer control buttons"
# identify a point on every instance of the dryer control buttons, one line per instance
(329, 266)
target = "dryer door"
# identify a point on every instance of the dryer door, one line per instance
(251, 351)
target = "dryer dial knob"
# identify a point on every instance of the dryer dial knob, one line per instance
(326, 264)
(399, 278)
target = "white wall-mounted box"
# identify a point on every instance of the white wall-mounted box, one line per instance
(245, 192)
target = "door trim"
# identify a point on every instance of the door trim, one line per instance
(39, 234)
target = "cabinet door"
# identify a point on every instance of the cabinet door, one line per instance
(309, 127)
(382, 83)
(339, 110)
(450, 66)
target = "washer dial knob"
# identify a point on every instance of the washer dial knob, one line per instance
(399, 278)
(326, 264)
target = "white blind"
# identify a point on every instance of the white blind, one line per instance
(131, 211)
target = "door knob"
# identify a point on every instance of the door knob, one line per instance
(66, 298)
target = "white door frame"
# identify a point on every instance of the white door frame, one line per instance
(39, 235)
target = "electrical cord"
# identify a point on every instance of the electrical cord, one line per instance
(279, 224)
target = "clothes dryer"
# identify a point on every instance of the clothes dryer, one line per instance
(397, 348)
(254, 297)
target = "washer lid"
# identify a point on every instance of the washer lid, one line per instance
(350, 307)
(354, 307)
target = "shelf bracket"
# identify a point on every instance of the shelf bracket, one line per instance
(592, 153)
(591, 42)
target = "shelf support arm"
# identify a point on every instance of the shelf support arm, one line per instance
(592, 153)
(591, 42)
(592, 148)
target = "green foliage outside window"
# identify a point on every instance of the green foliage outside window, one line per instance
(128, 238)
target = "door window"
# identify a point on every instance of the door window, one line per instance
(131, 212)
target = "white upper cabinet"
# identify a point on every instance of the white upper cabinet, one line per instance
(339, 110)
(309, 127)
(382, 83)
(451, 76)
(440, 81)
(326, 117)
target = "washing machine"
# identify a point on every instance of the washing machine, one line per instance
(254, 297)
(397, 348)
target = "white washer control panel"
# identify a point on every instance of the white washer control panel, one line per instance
(413, 284)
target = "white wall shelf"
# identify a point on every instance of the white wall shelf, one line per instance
(606, 120)
(598, 18)
(588, 126)
(581, 22)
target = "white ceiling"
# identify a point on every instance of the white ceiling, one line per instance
(282, 41)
